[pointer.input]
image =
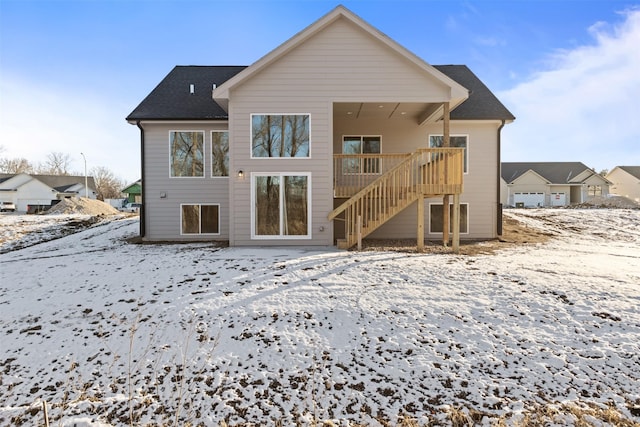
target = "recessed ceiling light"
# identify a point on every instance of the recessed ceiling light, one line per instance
(402, 113)
(349, 113)
(380, 106)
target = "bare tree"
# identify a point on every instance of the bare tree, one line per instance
(16, 166)
(57, 163)
(107, 185)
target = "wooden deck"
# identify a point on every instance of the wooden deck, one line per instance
(379, 186)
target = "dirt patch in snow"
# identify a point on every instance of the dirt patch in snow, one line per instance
(83, 206)
(514, 232)
(608, 202)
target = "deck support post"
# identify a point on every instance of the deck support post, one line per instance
(445, 220)
(456, 224)
(359, 231)
(446, 142)
(420, 231)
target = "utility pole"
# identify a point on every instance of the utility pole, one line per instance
(86, 188)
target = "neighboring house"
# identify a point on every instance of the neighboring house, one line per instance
(133, 192)
(42, 190)
(625, 181)
(544, 184)
(337, 133)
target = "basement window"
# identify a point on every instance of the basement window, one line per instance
(200, 219)
(435, 218)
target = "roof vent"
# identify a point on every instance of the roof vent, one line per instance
(214, 86)
(192, 88)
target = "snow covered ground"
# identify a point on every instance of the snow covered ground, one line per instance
(112, 333)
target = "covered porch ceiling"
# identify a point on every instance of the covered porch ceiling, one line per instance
(417, 112)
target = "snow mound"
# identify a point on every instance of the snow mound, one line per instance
(83, 206)
(610, 202)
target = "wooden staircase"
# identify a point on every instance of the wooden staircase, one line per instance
(428, 172)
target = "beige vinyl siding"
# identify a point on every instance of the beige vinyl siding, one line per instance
(530, 182)
(162, 214)
(340, 64)
(624, 184)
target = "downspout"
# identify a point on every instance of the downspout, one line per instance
(499, 204)
(142, 186)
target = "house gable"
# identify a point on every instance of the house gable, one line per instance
(625, 181)
(347, 57)
(13, 182)
(530, 177)
(627, 173)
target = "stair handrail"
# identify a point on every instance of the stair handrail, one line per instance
(385, 176)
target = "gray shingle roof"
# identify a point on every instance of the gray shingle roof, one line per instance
(172, 100)
(631, 170)
(58, 182)
(62, 182)
(482, 104)
(554, 172)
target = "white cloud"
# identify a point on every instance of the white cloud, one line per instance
(585, 106)
(37, 119)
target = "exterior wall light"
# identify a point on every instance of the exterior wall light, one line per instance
(240, 174)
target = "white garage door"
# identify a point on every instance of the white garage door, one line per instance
(558, 199)
(529, 200)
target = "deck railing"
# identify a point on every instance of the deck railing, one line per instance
(385, 193)
(442, 167)
(353, 172)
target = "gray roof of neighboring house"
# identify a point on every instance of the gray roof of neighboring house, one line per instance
(58, 182)
(554, 172)
(171, 99)
(64, 181)
(631, 170)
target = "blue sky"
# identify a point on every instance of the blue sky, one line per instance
(71, 71)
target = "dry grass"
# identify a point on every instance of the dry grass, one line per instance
(585, 415)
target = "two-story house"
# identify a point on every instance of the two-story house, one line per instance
(338, 134)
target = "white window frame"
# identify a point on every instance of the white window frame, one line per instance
(277, 114)
(204, 153)
(211, 154)
(467, 151)
(450, 223)
(280, 236)
(200, 233)
(362, 168)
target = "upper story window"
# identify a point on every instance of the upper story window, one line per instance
(274, 135)
(361, 145)
(455, 141)
(186, 153)
(219, 153)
